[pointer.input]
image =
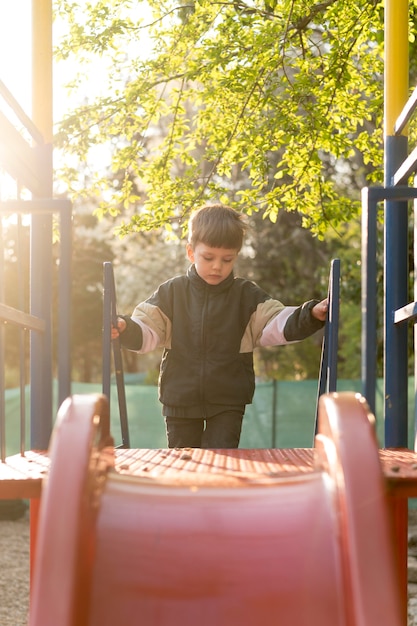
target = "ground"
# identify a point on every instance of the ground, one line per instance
(14, 572)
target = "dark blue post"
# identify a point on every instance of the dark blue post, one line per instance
(396, 296)
(396, 225)
(40, 306)
(109, 318)
(328, 362)
(41, 231)
(107, 323)
(369, 296)
(64, 320)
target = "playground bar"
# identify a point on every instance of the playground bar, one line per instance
(396, 225)
(109, 347)
(41, 232)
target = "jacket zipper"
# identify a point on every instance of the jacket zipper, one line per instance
(203, 351)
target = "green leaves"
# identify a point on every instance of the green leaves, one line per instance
(257, 104)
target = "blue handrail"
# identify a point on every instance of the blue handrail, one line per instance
(34, 323)
(328, 363)
(109, 346)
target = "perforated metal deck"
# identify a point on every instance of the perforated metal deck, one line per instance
(22, 476)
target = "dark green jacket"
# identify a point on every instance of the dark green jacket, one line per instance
(208, 333)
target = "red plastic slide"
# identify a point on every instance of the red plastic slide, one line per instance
(309, 549)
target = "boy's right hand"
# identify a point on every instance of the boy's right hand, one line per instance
(120, 328)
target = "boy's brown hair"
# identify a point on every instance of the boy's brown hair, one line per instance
(217, 226)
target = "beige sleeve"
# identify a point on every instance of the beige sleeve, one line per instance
(265, 312)
(154, 319)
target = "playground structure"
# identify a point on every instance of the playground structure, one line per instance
(220, 537)
(227, 537)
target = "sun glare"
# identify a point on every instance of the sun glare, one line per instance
(15, 50)
(16, 70)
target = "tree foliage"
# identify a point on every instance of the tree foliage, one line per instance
(262, 104)
(272, 106)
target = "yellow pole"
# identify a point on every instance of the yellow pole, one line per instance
(396, 62)
(42, 67)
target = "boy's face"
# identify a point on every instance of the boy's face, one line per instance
(212, 264)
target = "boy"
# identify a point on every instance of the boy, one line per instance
(209, 323)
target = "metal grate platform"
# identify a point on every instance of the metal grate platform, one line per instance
(195, 466)
(22, 476)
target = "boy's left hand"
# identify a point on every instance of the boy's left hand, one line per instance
(319, 311)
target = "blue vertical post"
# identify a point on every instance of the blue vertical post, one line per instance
(369, 297)
(41, 231)
(396, 226)
(64, 321)
(107, 322)
(109, 319)
(328, 363)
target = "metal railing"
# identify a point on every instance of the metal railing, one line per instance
(329, 355)
(396, 195)
(329, 350)
(40, 358)
(113, 346)
(26, 156)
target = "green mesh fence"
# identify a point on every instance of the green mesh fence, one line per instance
(282, 414)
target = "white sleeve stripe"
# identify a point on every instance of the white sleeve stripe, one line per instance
(273, 333)
(150, 338)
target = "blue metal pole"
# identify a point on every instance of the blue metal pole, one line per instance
(64, 321)
(396, 226)
(41, 231)
(107, 322)
(369, 293)
(396, 296)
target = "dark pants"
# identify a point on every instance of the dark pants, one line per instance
(220, 431)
